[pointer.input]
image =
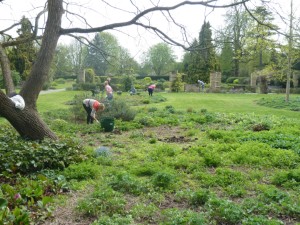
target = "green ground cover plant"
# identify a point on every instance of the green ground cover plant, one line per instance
(183, 159)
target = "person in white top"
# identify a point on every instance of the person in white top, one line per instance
(17, 100)
(91, 106)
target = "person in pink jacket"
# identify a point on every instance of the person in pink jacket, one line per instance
(91, 106)
(151, 89)
(109, 90)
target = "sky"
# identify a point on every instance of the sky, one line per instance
(136, 40)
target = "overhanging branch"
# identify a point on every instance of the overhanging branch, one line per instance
(145, 12)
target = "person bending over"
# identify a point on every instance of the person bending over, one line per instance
(91, 106)
(151, 89)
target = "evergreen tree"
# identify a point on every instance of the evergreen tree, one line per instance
(226, 60)
(97, 56)
(191, 63)
(207, 61)
(23, 56)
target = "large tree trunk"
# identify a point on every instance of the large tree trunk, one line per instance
(5, 65)
(27, 122)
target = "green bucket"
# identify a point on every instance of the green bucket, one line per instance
(107, 124)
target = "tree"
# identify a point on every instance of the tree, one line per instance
(226, 60)
(191, 63)
(160, 58)
(96, 56)
(126, 64)
(63, 62)
(260, 44)
(23, 56)
(237, 23)
(27, 122)
(207, 52)
(202, 56)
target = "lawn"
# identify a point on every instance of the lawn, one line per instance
(186, 158)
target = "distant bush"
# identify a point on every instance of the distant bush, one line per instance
(119, 110)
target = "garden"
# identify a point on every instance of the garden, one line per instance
(174, 158)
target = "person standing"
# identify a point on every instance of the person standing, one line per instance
(201, 85)
(109, 91)
(91, 106)
(151, 89)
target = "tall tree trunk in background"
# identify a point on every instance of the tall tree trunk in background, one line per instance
(5, 65)
(289, 72)
(28, 122)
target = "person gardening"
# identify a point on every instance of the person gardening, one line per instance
(91, 106)
(109, 90)
(201, 85)
(151, 89)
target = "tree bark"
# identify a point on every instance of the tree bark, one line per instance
(27, 122)
(5, 65)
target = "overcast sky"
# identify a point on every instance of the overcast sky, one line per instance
(136, 40)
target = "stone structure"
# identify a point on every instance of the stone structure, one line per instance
(215, 81)
(81, 77)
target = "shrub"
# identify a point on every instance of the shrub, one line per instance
(176, 216)
(103, 200)
(261, 126)
(199, 197)
(163, 180)
(170, 109)
(82, 171)
(225, 211)
(118, 109)
(31, 156)
(212, 159)
(261, 220)
(287, 178)
(142, 212)
(125, 183)
(147, 121)
(226, 177)
(115, 219)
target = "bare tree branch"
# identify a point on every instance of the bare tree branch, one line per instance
(145, 12)
(261, 23)
(162, 35)
(2, 32)
(27, 38)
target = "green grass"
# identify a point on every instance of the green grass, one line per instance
(187, 158)
(227, 103)
(55, 101)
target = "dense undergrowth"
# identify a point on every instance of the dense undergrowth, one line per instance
(163, 167)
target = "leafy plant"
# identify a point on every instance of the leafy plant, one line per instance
(32, 156)
(163, 180)
(103, 201)
(199, 198)
(125, 183)
(82, 171)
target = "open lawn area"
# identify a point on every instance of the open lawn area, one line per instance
(174, 158)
